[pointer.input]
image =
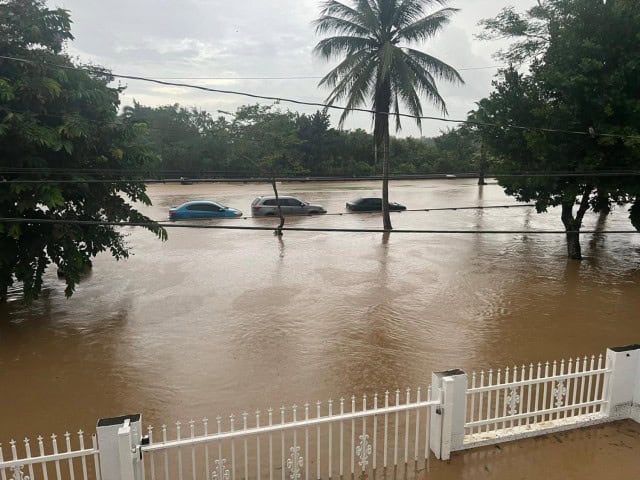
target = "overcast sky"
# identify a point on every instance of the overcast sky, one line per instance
(254, 38)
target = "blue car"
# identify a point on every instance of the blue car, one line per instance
(202, 209)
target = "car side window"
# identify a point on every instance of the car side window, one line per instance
(294, 203)
(270, 202)
(203, 207)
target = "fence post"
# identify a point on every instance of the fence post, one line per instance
(623, 387)
(118, 442)
(447, 419)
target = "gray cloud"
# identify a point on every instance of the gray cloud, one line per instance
(256, 38)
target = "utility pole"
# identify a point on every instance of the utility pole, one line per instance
(483, 165)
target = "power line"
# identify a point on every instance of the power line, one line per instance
(305, 229)
(309, 77)
(316, 104)
(292, 179)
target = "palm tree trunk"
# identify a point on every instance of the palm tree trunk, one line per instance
(381, 136)
(386, 219)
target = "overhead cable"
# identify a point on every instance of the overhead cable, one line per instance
(297, 77)
(104, 72)
(305, 229)
(438, 176)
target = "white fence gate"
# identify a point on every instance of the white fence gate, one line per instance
(348, 438)
(327, 440)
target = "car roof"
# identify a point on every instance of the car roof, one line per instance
(194, 202)
(269, 197)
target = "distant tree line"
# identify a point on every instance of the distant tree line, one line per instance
(258, 140)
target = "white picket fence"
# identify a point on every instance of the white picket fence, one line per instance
(348, 438)
(80, 462)
(308, 442)
(511, 402)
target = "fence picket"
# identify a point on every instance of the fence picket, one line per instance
(258, 456)
(232, 422)
(318, 415)
(395, 430)
(192, 431)
(341, 437)
(386, 428)
(330, 427)
(306, 442)
(27, 449)
(416, 443)
(55, 452)
(353, 434)
(45, 474)
(490, 380)
(375, 430)
(178, 425)
(597, 390)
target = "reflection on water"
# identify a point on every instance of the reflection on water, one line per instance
(213, 321)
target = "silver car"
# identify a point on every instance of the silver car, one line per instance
(268, 206)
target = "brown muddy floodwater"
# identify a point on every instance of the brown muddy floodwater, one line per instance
(218, 321)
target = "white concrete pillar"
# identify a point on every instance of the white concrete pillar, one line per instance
(447, 420)
(623, 385)
(118, 441)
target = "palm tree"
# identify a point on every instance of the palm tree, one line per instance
(375, 67)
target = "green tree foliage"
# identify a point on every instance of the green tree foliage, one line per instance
(529, 30)
(191, 142)
(57, 120)
(185, 140)
(586, 80)
(376, 68)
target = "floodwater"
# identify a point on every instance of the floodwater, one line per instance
(219, 321)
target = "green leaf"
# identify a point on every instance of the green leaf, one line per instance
(15, 231)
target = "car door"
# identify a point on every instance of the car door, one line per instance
(213, 211)
(196, 210)
(295, 206)
(374, 204)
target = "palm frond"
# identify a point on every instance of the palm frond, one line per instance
(345, 44)
(426, 84)
(435, 66)
(333, 8)
(350, 63)
(408, 12)
(350, 78)
(359, 88)
(370, 14)
(341, 26)
(405, 80)
(426, 27)
(396, 109)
